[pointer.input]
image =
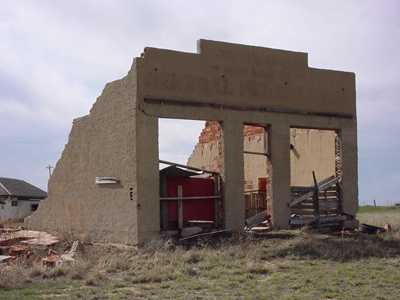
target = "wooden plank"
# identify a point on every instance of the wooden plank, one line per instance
(207, 234)
(166, 162)
(327, 196)
(329, 202)
(301, 199)
(315, 197)
(216, 192)
(189, 198)
(256, 219)
(324, 184)
(329, 209)
(323, 206)
(256, 153)
(180, 207)
(302, 211)
(164, 215)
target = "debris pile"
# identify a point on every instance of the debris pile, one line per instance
(259, 223)
(27, 245)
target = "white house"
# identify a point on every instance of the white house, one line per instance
(18, 198)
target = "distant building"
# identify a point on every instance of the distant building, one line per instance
(18, 198)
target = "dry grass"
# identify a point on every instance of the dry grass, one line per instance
(283, 265)
(380, 216)
(234, 268)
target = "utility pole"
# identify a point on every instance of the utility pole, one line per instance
(49, 167)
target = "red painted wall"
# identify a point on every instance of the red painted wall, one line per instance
(203, 209)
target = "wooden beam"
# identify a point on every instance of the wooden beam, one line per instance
(315, 197)
(180, 207)
(189, 198)
(166, 162)
(256, 153)
(323, 185)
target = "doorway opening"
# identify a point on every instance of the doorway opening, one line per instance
(257, 179)
(190, 163)
(315, 179)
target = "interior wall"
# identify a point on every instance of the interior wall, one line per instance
(313, 150)
(255, 166)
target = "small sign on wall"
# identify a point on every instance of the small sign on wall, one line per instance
(106, 180)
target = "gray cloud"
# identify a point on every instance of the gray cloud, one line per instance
(56, 56)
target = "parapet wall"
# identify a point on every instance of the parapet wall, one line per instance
(246, 77)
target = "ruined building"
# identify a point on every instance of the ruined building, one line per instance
(105, 187)
(311, 150)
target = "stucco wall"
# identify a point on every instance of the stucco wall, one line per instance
(100, 144)
(255, 166)
(314, 150)
(248, 77)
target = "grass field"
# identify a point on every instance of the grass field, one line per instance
(380, 216)
(282, 265)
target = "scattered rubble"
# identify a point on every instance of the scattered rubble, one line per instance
(19, 244)
(259, 223)
(212, 235)
(5, 258)
(370, 229)
(54, 260)
(189, 231)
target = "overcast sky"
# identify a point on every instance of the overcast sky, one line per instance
(56, 57)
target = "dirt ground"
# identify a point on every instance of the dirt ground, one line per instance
(280, 265)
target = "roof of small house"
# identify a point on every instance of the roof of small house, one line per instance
(20, 188)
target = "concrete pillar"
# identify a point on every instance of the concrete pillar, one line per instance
(147, 172)
(348, 137)
(233, 176)
(280, 160)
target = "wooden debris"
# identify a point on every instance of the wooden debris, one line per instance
(322, 186)
(51, 260)
(370, 229)
(54, 260)
(260, 229)
(388, 227)
(5, 258)
(189, 231)
(17, 250)
(206, 235)
(38, 238)
(202, 223)
(256, 219)
(69, 256)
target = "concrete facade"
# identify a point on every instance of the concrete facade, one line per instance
(229, 83)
